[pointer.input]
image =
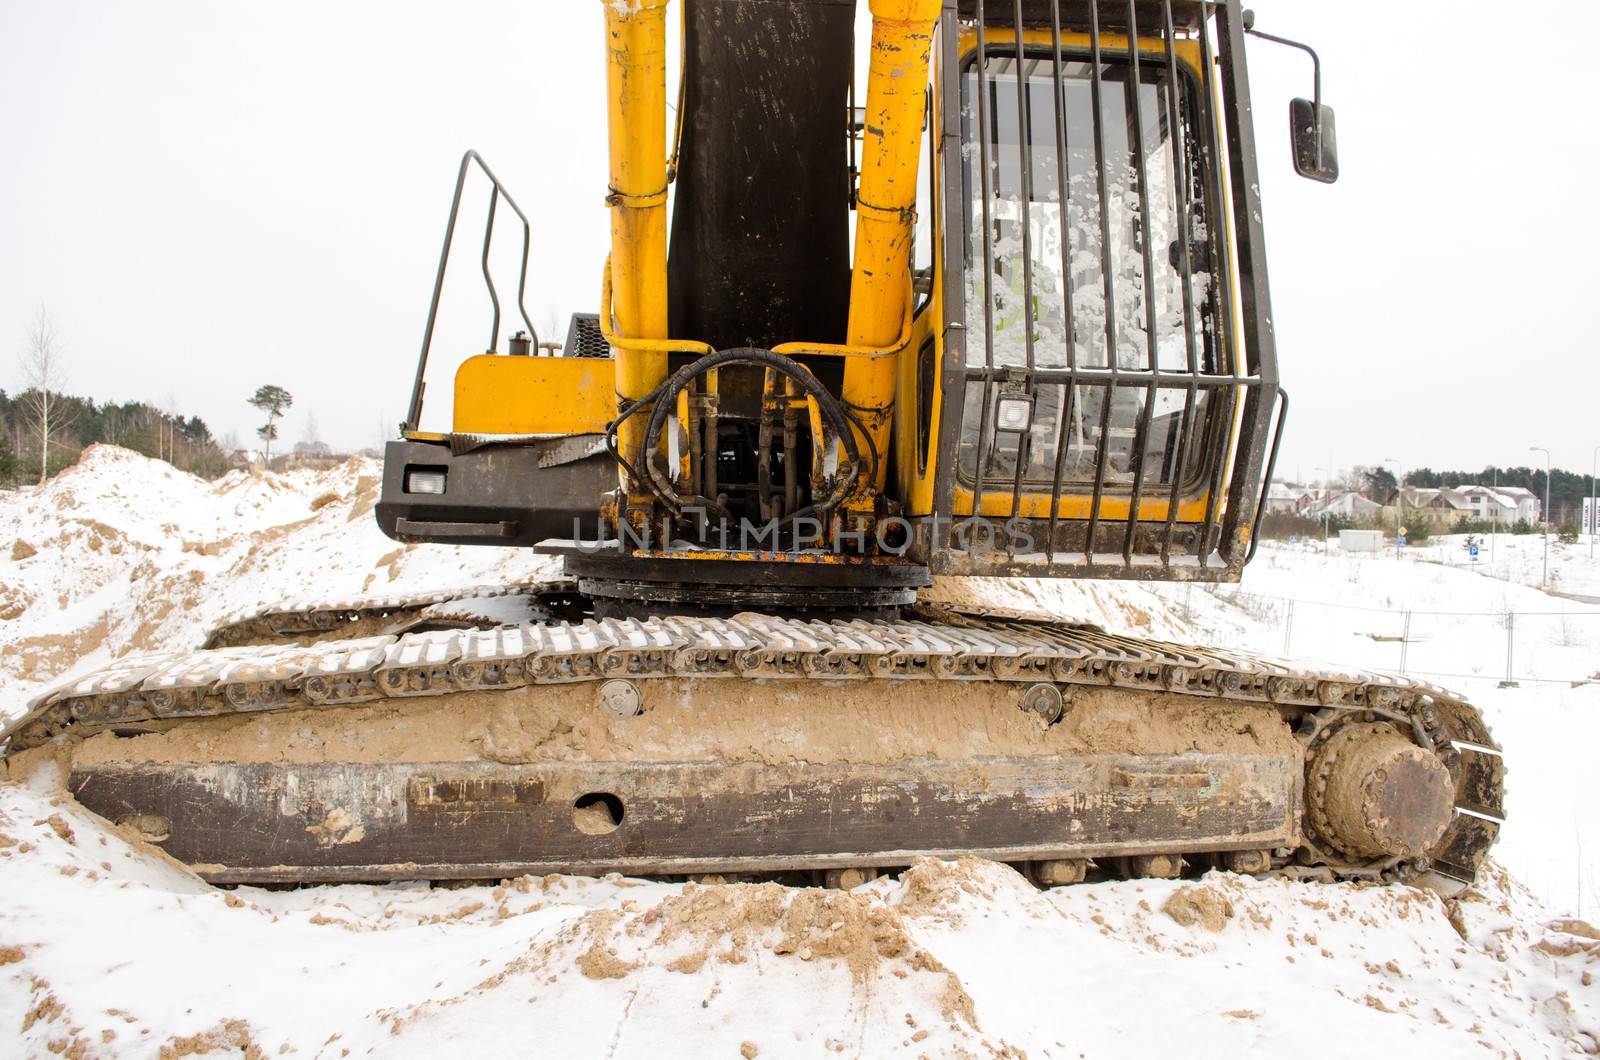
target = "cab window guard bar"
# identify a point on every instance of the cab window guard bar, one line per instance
(1218, 548)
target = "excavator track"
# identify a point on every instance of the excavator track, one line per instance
(376, 817)
(317, 618)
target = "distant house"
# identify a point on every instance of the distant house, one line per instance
(1424, 497)
(1346, 503)
(1501, 504)
(1529, 509)
(1447, 502)
(317, 450)
(1284, 499)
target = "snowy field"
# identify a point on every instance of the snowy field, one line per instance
(1354, 610)
(107, 948)
(1522, 558)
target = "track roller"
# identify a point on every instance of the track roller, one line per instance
(1059, 872)
(1153, 866)
(848, 879)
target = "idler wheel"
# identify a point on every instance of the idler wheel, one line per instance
(1374, 793)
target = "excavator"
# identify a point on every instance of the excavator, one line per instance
(999, 312)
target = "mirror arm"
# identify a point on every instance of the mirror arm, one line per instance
(1316, 76)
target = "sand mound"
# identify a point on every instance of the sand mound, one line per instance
(1201, 905)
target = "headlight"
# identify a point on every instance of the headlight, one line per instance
(425, 480)
(1014, 414)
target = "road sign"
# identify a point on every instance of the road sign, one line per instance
(1402, 531)
(1472, 550)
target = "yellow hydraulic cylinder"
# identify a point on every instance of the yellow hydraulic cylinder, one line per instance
(636, 89)
(880, 282)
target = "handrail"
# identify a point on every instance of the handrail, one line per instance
(414, 414)
(639, 345)
(839, 349)
(788, 349)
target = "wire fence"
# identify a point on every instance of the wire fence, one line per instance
(1509, 647)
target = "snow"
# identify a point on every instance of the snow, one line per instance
(125, 953)
(1352, 609)
(113, 948)
(123, 553)
(1520, 558)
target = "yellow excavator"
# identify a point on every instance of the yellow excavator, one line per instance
(1001, 312)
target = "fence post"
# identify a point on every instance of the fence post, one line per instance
(1511, 621)
(1288, 626)
(1405, 641)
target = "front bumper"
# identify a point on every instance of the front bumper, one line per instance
(496, 495)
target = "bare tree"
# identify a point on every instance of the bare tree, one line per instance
(43, 375)
(167, 435)
(113, 425)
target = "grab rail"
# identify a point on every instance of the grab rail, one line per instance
(499, 192)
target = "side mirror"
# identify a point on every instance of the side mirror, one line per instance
(1315, 142)
(1316, 148)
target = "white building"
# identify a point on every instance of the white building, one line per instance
(1347, 503)
(1503, 504)
(1361, 540)
(1288, 500)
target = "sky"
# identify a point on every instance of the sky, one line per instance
(211, 196)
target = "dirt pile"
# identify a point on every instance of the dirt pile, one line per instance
(121, 553)
(775, 723)
(947, 958)
(1202, 905)
(726, 921)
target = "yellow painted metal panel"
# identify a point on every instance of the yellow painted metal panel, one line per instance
(534, 395)
(997, 505)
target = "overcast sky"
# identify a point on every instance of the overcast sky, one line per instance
(208, 196)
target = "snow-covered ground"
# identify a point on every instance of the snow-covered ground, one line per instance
(1521, 558)
(122, 553)
(118, 953)
(106, 948)
(1354, 610)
